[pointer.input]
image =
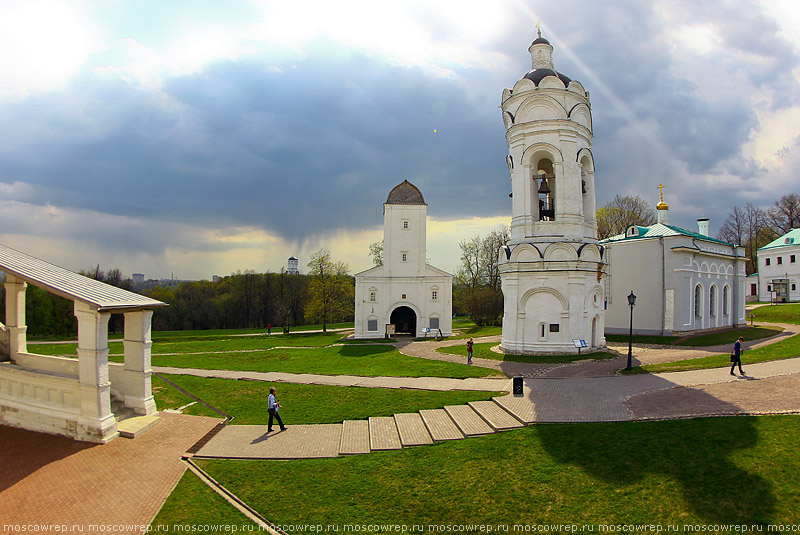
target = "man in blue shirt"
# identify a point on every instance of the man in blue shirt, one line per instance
(272, 406)
(736, 356)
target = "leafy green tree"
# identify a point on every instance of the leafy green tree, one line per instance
(331, 291)
(376, 252)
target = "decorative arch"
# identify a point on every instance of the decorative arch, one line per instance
(530, 293)
(540, 150)
(589, 252)
(540, 107)
(560, 252)
(508, 119)
(551, 82)
(523, 85)
(526, 252)
(581, 114)
(576, 87)
(704, 267)
(594, 298)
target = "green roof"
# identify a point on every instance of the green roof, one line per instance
(658, 230)
(787, 240)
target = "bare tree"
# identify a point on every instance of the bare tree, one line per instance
(376, 252)
(623, 211)
(747, 227)
(785, 214)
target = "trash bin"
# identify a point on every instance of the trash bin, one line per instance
(518, 386)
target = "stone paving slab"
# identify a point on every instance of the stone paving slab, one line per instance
(522, 407)
(412, 429)
(355, 437)
(485, 384)
(383, 434)
(50, 480)
(253, 442)
(495, 415)
(440, 425)
(468, 421)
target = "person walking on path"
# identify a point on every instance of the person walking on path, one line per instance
(272, 406)
(469, 351)
(736, 356)
(269, 328)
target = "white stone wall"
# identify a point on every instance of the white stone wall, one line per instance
(663, 274)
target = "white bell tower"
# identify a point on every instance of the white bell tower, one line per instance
(552, 267)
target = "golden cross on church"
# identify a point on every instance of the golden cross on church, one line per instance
(661, 187)
(539, 28)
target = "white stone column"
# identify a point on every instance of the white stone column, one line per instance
(15, 316)
(97, 423)
(137, 388)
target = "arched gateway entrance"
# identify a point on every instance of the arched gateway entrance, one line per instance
(405, 320)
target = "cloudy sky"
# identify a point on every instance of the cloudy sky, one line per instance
(194, 137)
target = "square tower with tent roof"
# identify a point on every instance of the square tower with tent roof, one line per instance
(405, 291)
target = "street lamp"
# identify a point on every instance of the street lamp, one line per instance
(631, 303)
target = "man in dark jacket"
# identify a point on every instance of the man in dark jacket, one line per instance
(736, 356)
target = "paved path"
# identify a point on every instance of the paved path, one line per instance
(768, 387)
(49, 480)
(487, 384)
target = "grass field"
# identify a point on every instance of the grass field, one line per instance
(785, 349)
(786, 313)
(246, 401)
(484, 351)
(294, 353)
(736, 470)
(703, 340)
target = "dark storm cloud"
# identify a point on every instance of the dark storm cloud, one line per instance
(315, 142)
(305, 148)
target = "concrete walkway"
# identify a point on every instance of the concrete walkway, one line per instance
(577, 399)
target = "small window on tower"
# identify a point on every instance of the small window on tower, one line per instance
(433, 295)
(780, 260)
(434, 323)
(405, 257)
(766, 262)
(373, 296)
(405, 223)
(372, 325)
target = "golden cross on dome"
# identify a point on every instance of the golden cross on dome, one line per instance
(661, 187)
(539, 28)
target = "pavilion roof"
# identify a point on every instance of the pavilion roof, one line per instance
(71, 285)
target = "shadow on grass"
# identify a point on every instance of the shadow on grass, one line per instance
(363, 350)
(694, 453)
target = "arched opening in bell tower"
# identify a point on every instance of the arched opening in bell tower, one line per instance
(587, 189)
(546, 189)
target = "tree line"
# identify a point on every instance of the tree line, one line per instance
(239, 301)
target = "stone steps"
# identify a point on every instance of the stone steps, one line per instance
(427, 426)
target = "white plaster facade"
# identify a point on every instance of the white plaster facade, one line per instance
(684, 281)
(552, 268)
(405, 290)
(779, 269)
(69, 396)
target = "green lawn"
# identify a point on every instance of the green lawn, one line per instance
(736, 470)
(199, 343)
(484, 351)
(246, 401)
(702, 340)
(785, 349)
(193, 503)
(364, 360)
(785, 313)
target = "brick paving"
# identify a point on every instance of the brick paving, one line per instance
(440, 425)
(253, 442)
(355, 437)
(412, 429)
(49, 480)
(383, 434)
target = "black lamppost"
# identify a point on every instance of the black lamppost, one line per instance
(631, 303)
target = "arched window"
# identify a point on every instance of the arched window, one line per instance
(698, 301)
(545, 191)
(725, 298)
(712, 301)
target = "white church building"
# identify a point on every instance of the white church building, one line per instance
(552, 268)
(684, 281)
(405, 293)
